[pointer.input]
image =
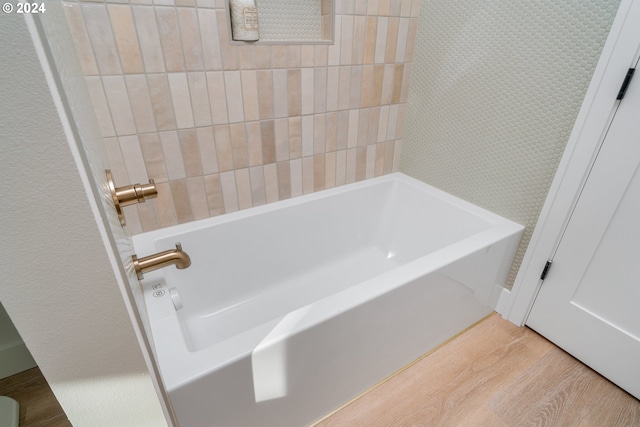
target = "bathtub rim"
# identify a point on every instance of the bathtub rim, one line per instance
(143, 241)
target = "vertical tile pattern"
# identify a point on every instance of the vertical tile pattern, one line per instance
(161, 101)
(125, 38)
(170, 39)
(179, 88)
(140, 103)
(224, 126)
(98, 27)
(191, 46)
(199, 99)
(149, 39)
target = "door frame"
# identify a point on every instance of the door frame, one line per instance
(620, 51)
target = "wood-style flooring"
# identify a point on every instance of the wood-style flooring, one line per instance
(38, 405)
(493, 375)
(498, 375)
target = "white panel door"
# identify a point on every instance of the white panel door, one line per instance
(589, 304)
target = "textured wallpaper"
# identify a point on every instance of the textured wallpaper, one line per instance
(495, 90)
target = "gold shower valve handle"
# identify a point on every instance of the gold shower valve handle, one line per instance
(130, 194)
(136, 193)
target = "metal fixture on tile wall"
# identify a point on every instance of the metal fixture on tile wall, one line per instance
(162, 259)
(130, 194)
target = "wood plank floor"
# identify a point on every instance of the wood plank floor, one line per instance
(494, 374)
(38, 405)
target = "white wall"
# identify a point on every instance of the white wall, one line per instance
(14, 356)
(57, 284)
(495, 90)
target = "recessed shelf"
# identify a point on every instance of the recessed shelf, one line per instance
(293, 22)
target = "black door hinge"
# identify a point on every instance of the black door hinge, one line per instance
(545, 271)
(625, 83)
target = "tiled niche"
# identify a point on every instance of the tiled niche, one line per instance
(302, 21)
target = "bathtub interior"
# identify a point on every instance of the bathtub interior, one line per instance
(251, 267)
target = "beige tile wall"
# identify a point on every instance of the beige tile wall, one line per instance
(224, 127)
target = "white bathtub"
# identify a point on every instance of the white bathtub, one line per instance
(291, 309)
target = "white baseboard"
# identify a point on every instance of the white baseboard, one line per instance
(503, 302)
(15, 358)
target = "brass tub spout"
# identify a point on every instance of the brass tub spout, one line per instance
(162, 259)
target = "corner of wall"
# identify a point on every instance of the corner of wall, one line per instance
(66, 305)
(493, 98)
